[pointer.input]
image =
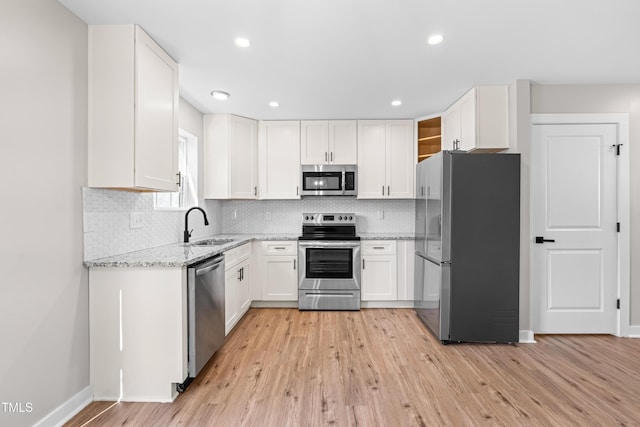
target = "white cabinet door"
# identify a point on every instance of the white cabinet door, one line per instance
(156, 117)
(243, 168)
(450, 128)
(133, 111)
(379, 278)
(343, 142)
(230, 157)
(400, 159)
(314, 142)
(280, 281)
(231, 307)
(467, 108)
(244, 287)
(279, 159)
(371, 159)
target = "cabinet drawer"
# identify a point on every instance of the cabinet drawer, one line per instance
(279, 247)
(378, 247)
(236, 255)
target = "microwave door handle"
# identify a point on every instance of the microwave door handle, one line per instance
(344, 181)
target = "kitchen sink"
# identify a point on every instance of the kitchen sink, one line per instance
(212, 242)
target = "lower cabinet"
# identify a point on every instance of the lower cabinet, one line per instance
(379, 270)
(237, 285)
(279, 269)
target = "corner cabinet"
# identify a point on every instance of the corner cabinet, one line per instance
(386, 159)
(279, 159)
(230, 157)
(328, 142)
(133, 111)
(479, 121)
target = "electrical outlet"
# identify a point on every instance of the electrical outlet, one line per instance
(380, 214)
(135, 220)
(267, 216)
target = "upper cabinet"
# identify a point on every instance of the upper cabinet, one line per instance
(230, 157)
(324, 142)
(279, 159)
(386, 159)
(429, 137)
(133, 111)
(478, 121)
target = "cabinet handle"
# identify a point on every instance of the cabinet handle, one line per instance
(383, 190)
(332, 157)
(388, 190)
(297, 190)
(378, 247)
(294, 263)
(255, 191)
(279, 248)
(325, 156)
(240, 275)
(363, 263)
(179, 174)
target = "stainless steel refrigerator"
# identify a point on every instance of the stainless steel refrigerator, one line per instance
(467, 246)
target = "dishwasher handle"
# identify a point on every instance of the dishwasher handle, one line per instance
(210, 266)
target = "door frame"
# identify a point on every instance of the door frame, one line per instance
(621, 120)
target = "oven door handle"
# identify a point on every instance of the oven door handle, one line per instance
(328, 244)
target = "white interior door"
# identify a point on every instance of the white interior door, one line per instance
(574, 199)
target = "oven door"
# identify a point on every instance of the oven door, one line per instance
(329, 265)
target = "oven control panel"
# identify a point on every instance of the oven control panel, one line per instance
(329, 218)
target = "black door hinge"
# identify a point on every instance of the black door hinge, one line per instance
(618, 227)
(618, 304)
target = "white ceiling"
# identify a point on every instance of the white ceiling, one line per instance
(324, 59)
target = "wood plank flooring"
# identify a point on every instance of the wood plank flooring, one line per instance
(381, 367)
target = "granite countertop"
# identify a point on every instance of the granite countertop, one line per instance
(181, 254)
(387, 236)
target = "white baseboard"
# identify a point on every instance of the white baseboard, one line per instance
(68, 409)
(526, 337)
(634, 331)
(386, 304)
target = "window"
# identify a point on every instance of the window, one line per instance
(187, 196)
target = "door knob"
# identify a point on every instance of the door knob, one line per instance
(540, 239)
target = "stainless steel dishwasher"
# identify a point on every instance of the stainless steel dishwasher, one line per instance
(205, 307)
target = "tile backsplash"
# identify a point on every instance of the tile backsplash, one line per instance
(285, 216)
(108, 228)
(107, 222)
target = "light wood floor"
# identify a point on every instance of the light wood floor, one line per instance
(381, 367)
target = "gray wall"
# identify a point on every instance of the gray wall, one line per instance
(43, 285)
(604, 99)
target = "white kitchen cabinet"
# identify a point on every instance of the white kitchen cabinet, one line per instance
(279, 270)
(478, 121)
(230, 157)
(386, 159)
(279, 159)
(379, 270)
(133, 111)
(237, 285)
(324, 142)
(138, 340)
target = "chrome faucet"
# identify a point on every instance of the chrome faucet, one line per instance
(187, 233)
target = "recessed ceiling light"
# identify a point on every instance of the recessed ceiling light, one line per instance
(396, 102)
(435, 39)
(274, 104)
(242, 42)
(218, 94)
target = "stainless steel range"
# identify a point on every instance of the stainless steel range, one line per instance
(329, 255)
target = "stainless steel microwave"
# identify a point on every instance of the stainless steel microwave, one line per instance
(329, 180)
